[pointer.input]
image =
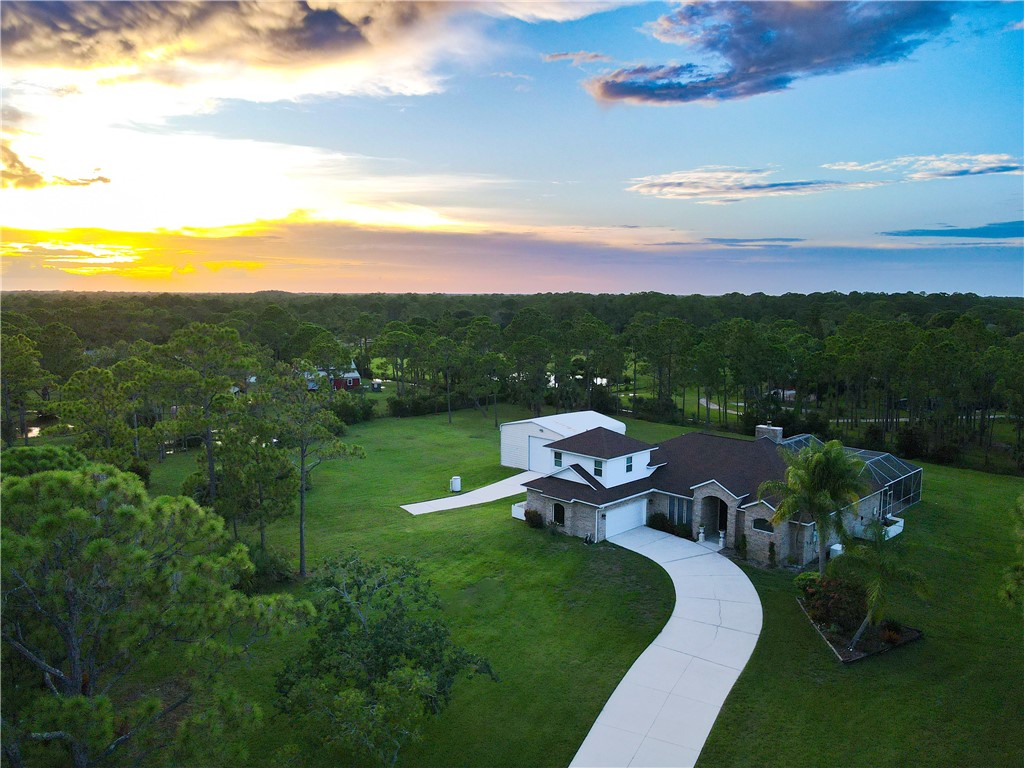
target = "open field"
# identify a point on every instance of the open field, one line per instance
(561, 622)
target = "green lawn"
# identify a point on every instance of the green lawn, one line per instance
(559, 621)
(955, 698)
(562, 622)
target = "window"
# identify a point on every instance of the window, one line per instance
(762, 524)
(680, 511)
(598, 468)
(629, 463)
(559, 511)
(558, 458)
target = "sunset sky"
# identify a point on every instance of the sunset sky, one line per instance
(513, 147)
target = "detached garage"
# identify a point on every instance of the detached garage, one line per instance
(523, 442)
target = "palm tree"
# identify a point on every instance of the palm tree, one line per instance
(879, 567)
(819, 482)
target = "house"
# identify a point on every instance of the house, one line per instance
(523, 443)
(349, 381)
(603, 483)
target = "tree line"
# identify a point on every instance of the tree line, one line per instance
(937, 376)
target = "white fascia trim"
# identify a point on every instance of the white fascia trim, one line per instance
(567, 501)
(706, 482)
(756, 502)
(669, 493)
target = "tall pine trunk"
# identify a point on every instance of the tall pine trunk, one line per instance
(302, 512)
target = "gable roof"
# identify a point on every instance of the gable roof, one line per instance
(740, 466)
(593, 493)
(600, 443)
(694, 459)
(574, 422)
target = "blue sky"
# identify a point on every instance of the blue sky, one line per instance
(520, 147)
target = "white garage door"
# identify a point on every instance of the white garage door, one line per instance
(625, 518)
(540, 457)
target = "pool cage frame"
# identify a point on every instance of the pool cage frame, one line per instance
(898, 482)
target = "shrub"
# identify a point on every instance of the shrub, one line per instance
(911, 442)
(424, 404)
(270, 568)
(838, 601)
(684, 531)
(534, 519)
(891, 632)
(651, 409)
(772, 557)
(874, 438)
(741, 547)
(351, 409)
(140, 468)
(603, 401)
(808, 583)
(659, 521)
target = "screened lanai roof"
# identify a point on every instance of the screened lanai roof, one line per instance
(884, 468)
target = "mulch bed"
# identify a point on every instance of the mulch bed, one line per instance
(871, 642)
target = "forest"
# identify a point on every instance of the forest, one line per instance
(136, 610)
(937, 376)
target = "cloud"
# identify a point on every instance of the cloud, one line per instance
(999, 230)
(93, 34)
(17, 175)
(924, 167)
(550, 10)
(753, 242)
(318, 256)
(576, 57)
(763, 47)
(717, 185)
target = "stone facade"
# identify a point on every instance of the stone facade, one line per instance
(705, 512)
(579, 518)
(794, 543)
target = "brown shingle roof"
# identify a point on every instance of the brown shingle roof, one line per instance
(568, 490)
(739, 465)
(600, 443)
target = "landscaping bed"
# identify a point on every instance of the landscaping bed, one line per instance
(875, 640)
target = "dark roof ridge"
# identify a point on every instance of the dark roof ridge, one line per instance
(601, 443)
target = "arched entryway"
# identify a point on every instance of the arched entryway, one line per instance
(714, 516)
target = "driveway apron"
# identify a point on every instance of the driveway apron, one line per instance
(662, 711)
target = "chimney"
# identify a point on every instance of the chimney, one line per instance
(767, 430)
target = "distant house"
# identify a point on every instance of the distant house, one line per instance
(523, 443)
(349, 380)
(603, 483)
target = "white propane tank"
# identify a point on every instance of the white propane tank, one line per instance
(456, 484)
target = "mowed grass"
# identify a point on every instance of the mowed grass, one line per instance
(559, 621)
(562, 622)
(954, 698)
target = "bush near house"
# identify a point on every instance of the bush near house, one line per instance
(659, 521)
(836, 601)
(534, 519)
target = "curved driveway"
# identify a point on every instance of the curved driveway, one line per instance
(662, 711)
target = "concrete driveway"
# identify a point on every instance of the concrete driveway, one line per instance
(503, 489)
(662, 711)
